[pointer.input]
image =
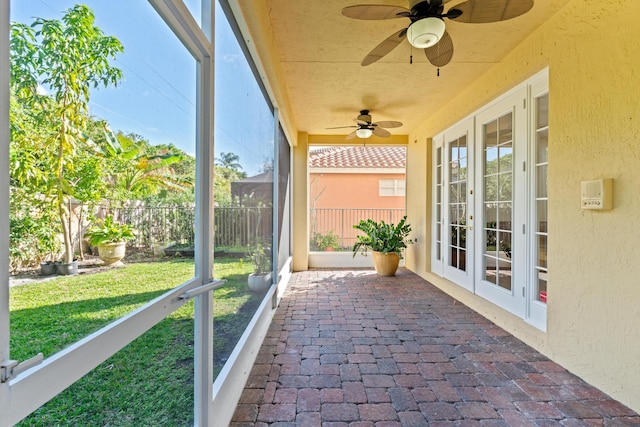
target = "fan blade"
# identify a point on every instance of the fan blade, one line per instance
(351, 135)
(378, 131)
(441, 53)
(361, 122)
(375, 12)
(385, 47)
(387, 124)
(342, 127)
(483, 11)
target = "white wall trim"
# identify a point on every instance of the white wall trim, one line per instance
(341, 260)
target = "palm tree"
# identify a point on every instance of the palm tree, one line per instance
(136, 172)
(229, 161)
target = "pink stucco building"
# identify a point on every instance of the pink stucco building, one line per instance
(357, 177)
(352, 183)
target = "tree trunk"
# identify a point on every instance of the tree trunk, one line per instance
(66, 232)
(64, 215)
(81, 231)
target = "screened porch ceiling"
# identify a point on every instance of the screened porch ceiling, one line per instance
(316, 54)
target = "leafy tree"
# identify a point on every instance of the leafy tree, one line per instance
(68, 57)
(221, 187)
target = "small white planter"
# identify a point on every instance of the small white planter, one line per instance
(259, 283)
(110, 253)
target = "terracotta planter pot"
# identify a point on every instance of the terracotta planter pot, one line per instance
(385, 264)
(110, 253)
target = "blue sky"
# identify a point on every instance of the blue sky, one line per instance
(156, 98)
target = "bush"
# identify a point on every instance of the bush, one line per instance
(382, 237)
(323, 241)
(32, 239)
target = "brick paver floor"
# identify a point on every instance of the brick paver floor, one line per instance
(351, 348)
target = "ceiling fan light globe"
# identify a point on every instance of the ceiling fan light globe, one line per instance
(425, 32)
(364, 133)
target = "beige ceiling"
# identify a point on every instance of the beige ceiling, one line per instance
(315, 52)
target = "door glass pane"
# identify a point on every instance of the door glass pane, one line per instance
(491, 134)
(542, 251)
(504, 245)
(131, 165)
(505, 129)
(504, 187)
(454, 193)
(542, 216)
(491, 188)
(541, 181)
(505, 162)
(463, 168)
(462, 259)
(498, 199)
(504, 216)
(491, 214)
(542, 111)
(542, 145)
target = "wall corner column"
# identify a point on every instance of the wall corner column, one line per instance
(300, 203)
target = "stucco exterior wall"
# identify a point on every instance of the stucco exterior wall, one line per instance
(349, 190)
(593, 55)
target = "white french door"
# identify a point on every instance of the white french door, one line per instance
(489, 201)
(458, 205)
(501, 193)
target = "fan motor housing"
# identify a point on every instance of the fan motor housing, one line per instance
(365, 116)
(426, 32)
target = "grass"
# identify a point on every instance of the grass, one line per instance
(149, 382)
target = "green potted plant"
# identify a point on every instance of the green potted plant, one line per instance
(326, 242)
(386, 242)
(260, 279)
(110, 238)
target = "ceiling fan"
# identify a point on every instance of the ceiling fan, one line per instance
(427, 28)
(366, 128)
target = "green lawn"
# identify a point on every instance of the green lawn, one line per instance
(149, 382)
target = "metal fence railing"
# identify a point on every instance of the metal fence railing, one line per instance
(244, 226)
(234, 226)
(340, 222)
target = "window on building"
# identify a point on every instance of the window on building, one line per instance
(392, 187)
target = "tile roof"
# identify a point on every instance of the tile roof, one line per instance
(357, 157)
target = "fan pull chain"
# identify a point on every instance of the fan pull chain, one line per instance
(438, 73)
(411, 59)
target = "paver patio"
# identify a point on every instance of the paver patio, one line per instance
(351, 348)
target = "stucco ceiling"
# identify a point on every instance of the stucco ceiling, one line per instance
(318, 53)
